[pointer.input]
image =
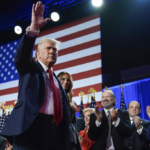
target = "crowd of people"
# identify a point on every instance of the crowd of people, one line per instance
(44, 116)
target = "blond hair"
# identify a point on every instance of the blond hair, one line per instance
(92, 110)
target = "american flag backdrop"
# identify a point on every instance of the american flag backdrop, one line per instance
(79, 54)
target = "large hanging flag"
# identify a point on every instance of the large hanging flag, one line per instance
(79, 54)
(122, 103)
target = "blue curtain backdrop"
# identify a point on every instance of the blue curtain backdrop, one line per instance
(137, 90)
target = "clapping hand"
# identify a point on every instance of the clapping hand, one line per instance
(137, 121)
(98, 114)
(37, 20)
(114, 114)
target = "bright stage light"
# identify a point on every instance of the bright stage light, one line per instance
(97, 3)
(18, 30)
(55, 16)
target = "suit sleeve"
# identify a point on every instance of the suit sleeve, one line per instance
(144, 133)
(148, 133)
(93, 129)
(124, 126)
(23, 55)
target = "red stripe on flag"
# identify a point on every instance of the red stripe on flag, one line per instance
(68, 25)
(97, 87)
(76, 35)
(87, 74)
(9, 91)
(8, 103)
(79, 34)
(79, 47)
(76, 62)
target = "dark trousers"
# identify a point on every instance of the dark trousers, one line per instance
(43, 134)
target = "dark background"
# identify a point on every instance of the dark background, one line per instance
(125, 32)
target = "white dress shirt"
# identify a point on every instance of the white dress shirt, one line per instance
(48, 106)
(139, 131)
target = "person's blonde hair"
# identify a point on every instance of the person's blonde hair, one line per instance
(69, 90)
(55, 42)
(92, 110)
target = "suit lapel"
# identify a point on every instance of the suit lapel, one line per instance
(43, 72)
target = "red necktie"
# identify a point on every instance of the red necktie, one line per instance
(58, 113)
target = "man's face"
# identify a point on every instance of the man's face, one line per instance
(134, 109)
(107, 100)
(47, 53)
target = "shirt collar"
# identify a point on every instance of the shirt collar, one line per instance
(131, 119)
(43, 65)
(106, 110)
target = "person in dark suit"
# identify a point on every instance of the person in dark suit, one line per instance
(67, 83)
(80, 124)
(2, 143)
(138, 139)
(40, 120)
(148, 113)
(109, 127)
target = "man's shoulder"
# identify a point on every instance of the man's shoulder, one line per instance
(122, 111)
(145, 121)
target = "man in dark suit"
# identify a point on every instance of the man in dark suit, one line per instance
(2, 143)
(40, 120)
(138, 140)
(109, 127)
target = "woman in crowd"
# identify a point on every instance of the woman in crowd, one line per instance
(86, 143)
(148, 113)
(67, 84)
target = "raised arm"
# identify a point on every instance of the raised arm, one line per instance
(37, 20)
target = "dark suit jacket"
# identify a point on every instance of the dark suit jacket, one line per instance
(2, 143)
(80, 124)
(118, 134)
(31, 96)
(148, 133)
(139, 141)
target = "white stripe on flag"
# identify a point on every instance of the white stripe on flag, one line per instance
(77, 41)
(79, 54)
(87, 81)
(81, 68)
(71, 30)
(9, 97)
(8, 85)
(80, 40)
